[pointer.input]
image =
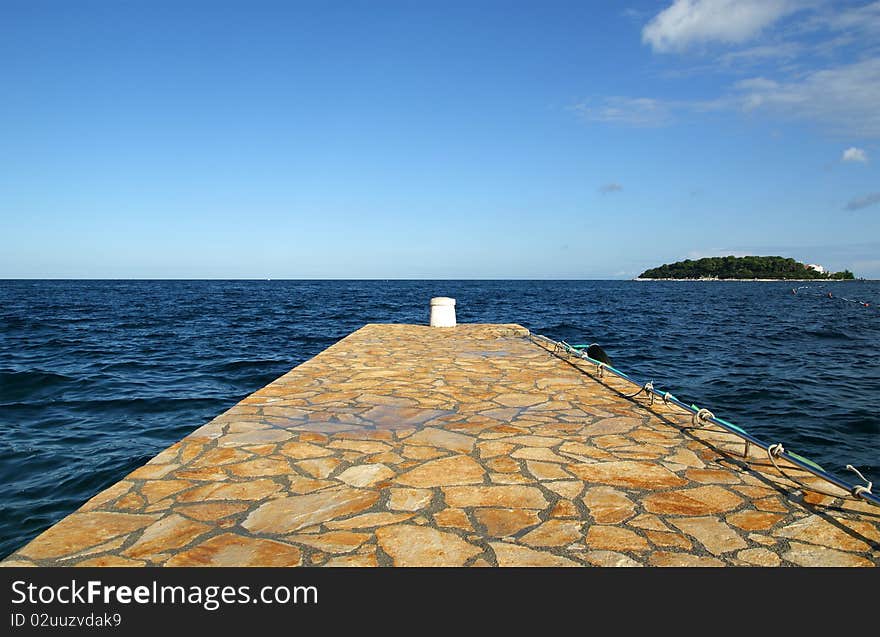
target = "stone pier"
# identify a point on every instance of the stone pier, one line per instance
(469, 446)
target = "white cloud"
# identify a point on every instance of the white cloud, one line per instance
(631, 111)
(689, 22)
(606, 189)
(844, 98)
(854, 154)
(863, 202)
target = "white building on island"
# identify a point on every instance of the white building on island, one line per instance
(816, 267)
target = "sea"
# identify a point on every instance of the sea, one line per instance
(97, 377)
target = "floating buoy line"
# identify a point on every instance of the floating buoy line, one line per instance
(701, 416)
(813, 290)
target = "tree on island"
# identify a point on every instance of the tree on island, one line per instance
(741, 268)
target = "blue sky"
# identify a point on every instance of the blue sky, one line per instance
(435, 140)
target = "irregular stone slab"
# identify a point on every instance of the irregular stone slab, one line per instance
(369, 520)
(759, 557)
(607, 426)
(332, 542)
(250, 490)
(302, 450)
(539, 453)
(668, 540)
(613, 538)
(410, 545)
(610, 558)
(639, 475)
(446, 471)
(259, 467)
(111, 561)
(355, 561)
(699, 501)
(564, 509)
(230, 549)
(212, 511)
(297, 512)
(712, 476)
(82, 530)
(662, 558)
(423, 453)
(319, 467)
(442, 438)
(364, 446)
(753, 520)
(410, 499)
(492, 449)
(533, 441)
(170, 532)
(504, 522)
(569, 489)
(812, 555)
(506, 496)
(715, 535)
(365, 475)
(607, 505)
(252, 437)
(546, 470)
(519, 400)
(515, 555)
(455, 518)
(816, 530)
(554, 533)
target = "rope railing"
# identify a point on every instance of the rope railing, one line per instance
(701, 416)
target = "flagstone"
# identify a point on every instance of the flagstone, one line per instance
(504, 522)
(453, 470)
(664, 558)
(171, 532)
(627, 473)
(365, 475)
(231, 549)
(82, 530)
(712, 533)
(554, 533)
(212, 511)
(369, 520)
(332, 542)
(515, 555)
(698, 501)
(450, 440)
(259, 467)
(812, 555)
(614, 538)
(292, 513)
(610, 558)
(566, 488)
(455, 518)
(319, 467)
(409, 499)
(302, 450)
(608, 505)
(410, 545)
(506, 496)
(816, 530)
(753, 520)
(758, 557)
(250, 490)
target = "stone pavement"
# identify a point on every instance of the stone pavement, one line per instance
(411, 446)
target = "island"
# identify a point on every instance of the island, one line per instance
(743, 268)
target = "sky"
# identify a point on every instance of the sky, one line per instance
(291, 140)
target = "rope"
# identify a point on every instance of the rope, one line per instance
(858, 489)
(775, 451)
(647, 387)
(701, 417)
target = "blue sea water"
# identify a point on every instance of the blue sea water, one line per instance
(96, 377)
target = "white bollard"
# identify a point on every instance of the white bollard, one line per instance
(442, 312)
